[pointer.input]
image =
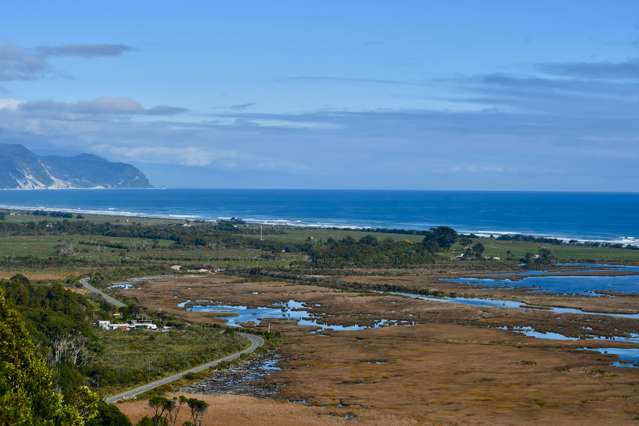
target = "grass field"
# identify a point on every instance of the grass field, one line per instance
(563, 252)
(129, 358)
(300, 235)
(102, 250)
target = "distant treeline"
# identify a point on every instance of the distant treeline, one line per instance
(64, 215)
(369, 251)
(556, 241)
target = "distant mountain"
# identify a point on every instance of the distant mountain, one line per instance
(21, 168)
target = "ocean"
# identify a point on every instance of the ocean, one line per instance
(584, 216)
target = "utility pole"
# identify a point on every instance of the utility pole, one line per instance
(261, 234)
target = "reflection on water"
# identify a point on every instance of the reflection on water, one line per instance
(471, 301)
(628, 357)
(545, 335)
(505, 303)
(235, 316)
(585, 285)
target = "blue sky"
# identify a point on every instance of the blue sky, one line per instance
(334, 94)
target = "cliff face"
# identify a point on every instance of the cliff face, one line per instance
(21, 168)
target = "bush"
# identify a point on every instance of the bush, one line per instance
(109, 415)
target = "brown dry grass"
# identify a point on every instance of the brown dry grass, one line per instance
(37, 275)
(243, 410)
(456, 374)
(623, 303)
(449, 369)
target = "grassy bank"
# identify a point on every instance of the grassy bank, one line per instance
(136, 357)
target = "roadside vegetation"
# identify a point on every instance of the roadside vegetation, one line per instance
(136, 357)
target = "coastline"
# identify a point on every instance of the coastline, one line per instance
(626, 241)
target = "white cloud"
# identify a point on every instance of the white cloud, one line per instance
(98, 106)
(17, 63)
(186, 156)
(9, 104)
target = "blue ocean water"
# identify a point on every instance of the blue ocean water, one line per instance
(592, 216)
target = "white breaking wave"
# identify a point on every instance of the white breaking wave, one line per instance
(624, 240)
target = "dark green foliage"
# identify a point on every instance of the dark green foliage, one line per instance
(60, 323)
(443, 236)
(50, 311)
(64, 215)
(27, 394)
(226, 226)
(368, 251)
(543, 258)
(145, 421)
(109, 415)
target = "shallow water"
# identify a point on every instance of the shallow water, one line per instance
(576, 285)
(544, 335)
(584, 285)
(506, 304)
(628, 357)
(291, 310)
(471, 301)
(241, 379)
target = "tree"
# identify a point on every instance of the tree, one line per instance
(444, 236)
(465, 240)
(545, 257)
(158, 404)
(27, 394)
(178, 403)
(198, 408)
(478, 250)
(368, 240)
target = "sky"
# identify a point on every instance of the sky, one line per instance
(427, 95)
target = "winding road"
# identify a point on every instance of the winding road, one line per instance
(109, 299)
(256, 342)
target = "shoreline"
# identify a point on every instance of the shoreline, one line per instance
(296, 223)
